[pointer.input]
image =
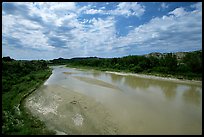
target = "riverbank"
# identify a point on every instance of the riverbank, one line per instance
(141, 75)
(69, 112)
(156, 77)
(17, 120)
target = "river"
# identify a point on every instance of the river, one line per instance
(74, 101)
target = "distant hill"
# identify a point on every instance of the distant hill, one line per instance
(179, 55)
(79, 58)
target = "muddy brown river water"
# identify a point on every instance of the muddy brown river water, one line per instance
(74, 101)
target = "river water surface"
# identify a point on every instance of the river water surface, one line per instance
(74, 101)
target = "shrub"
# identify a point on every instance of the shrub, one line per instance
(136, 69)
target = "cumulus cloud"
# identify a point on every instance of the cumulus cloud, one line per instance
(128, 9)
(178, 32)
(28, 33)
(52, 30)
(123, 9)
(178, 12)
(96, 36)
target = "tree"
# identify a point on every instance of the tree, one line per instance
(153, 61)
(194, 61)
(7, 59)
(170, 61)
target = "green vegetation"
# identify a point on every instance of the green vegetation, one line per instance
(19, 79)
(167, 65)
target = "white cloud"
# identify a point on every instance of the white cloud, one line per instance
(129, 8)
(103, 8)
(164, 5)
(28, 54)
(7, 23)
(96, 35)
(178, 12)
(70, 6)
(94, 11)
(47, 29)
(197, 6)
(168, 33)
(26, 31)
(55, 13)
(123, 8)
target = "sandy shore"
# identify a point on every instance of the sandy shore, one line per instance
(97, 82)
(157, 77)
(69, 112)
(154, 77)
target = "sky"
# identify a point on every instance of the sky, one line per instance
(52, 30)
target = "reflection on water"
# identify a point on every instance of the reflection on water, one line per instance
(169, 89)
(96, 74)
(193, 95)
(145, 106)
(135, 82)
(116, 78)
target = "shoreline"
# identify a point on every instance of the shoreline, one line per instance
(148, 76)
(156, 77)
(81, 112)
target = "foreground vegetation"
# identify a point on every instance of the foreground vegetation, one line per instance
(188, 67)
(19, 79)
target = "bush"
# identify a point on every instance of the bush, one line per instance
(183, 68)
(17, 82)
(160, 69)
(136, 69)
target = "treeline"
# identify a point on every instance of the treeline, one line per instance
(18, 80)
(188, 67)
(13, 72)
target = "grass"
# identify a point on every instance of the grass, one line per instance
(17, 120)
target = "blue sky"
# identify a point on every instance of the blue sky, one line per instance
(103, 29)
